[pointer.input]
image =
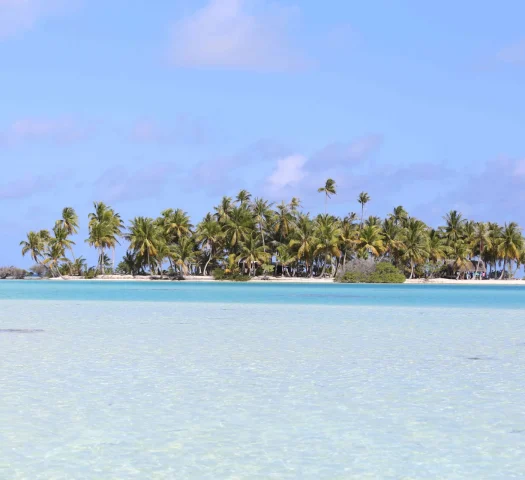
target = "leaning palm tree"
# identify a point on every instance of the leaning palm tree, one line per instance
(209, 235)
(61, 238)
(34, 245)
(328, 189)
(363, 199)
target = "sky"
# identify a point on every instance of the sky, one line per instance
(173, 104)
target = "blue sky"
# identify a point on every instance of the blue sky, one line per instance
(150, 105)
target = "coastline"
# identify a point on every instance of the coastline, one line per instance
(190, 278)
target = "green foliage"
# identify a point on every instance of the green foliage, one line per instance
(220, 274)
(91, 273)
(383, 272)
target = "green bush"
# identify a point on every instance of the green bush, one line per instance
(383, 272)
(220, 274)
(91, 273)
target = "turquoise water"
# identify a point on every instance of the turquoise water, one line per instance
(493, 297)
(260, 382)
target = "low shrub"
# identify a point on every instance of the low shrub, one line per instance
(91, 273)
(12, 272)
(220, 274)
(382, 272)
(40, 270)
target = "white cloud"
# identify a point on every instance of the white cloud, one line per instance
(288, 173)
(233, 34)
(513, 54)
(20, 15)
(60, 131)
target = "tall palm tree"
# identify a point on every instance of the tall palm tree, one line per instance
(209, 235)
(399, 215)
(304, 241)
(511, 245)
(328, 232)
(328, 189)
(363, 199)
(262, 212)
(481, 240)
(415, 246)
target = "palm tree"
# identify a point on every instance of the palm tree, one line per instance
(34, 245)
(239, 226)
(370, 241)
(285, 257)
(328, 232)
(262, 212)
(105, 227)
(144, 238)
(252, 253)
(328, 189)
(209, 234)
(437, 250)
(304, 241)
(511, 245)
(69, 221)
(363, 199)
(414, 244)
(399, 215)
(184, 253)
(481, 239)
(175, 224)
(243, 197)
(284, 221)
(61, 239)
(223, 210)
(454, 228)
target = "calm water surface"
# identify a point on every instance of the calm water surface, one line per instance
(207, 381)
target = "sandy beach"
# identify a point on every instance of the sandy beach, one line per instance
(193, 278)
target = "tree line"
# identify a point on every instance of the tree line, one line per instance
(252, 236)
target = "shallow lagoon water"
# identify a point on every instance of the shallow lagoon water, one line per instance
(101, 389)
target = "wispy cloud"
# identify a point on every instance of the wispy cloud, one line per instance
(346, 154)
(235, 34)
(184, 129)
(119, 183)
(30, 185)
(32, 130)
(20, 15)
(513, 54)
(288, 172)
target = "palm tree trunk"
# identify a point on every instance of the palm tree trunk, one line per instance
(206, 266)
(411, 270)
(504, 267)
